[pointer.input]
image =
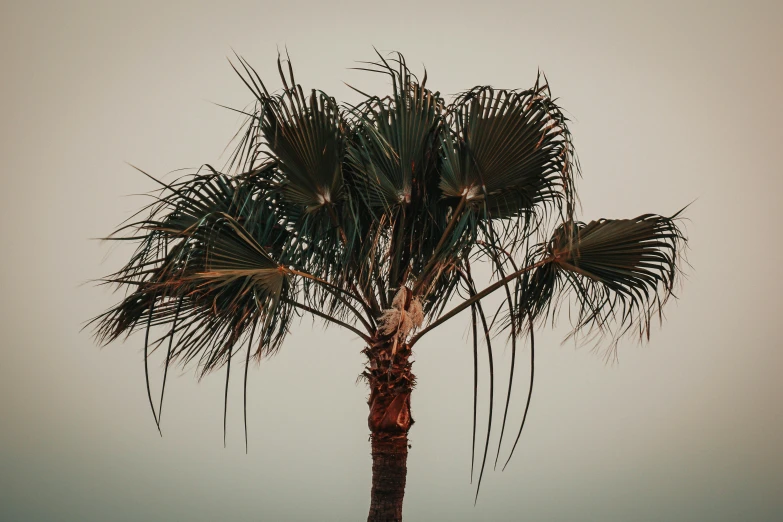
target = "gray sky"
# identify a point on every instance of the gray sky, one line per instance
(670, 103)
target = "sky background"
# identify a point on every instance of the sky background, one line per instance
(670, 103)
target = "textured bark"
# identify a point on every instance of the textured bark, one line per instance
(389, 375)
(389, 456)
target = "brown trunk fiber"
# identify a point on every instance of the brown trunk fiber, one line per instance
(388, 373)
(388, 477)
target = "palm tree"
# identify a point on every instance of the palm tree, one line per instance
(370, 217)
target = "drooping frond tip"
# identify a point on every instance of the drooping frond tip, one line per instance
(620, 272)
(201, 270)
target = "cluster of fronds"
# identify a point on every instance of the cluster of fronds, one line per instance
(334, 210)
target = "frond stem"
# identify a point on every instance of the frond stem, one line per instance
(449, 229)
(488, 290)
(329, 318)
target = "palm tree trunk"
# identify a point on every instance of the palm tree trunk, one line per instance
(389, 455)
(389, 375)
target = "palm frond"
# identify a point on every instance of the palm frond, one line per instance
(622, 271)
(203, 267)
(392, 149)
(304, 134)
(212, 286)
(509, 150)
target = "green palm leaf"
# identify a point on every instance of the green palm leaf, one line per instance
(622, 271)
(200, 259)
(510, 150)
(305, 134)
(392, 149)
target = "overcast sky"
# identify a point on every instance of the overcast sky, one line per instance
(670, 103)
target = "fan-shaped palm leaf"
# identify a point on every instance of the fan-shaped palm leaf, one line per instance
(621, 271)
(510, 149)
(392, 148)
(305, 134)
